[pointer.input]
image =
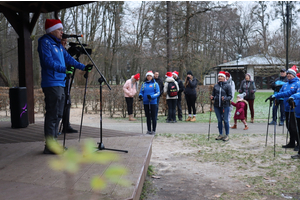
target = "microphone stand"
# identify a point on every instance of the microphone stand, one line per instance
(100, 80)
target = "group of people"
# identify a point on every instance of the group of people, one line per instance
(153, 88)
(288, 98)
(223, 95)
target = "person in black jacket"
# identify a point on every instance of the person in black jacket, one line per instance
(276, 86)
(248, 86)
(161, 88)
(181, 88)
(190, 95)
(222, 95)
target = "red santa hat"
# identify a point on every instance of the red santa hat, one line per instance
(150, 73)
(175, 73)
(169, 74)
(52, 25)
(137, 76)
(222, 73)
(293, 70)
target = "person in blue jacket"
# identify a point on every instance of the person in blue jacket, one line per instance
(287, 90)
(148, 93)
(276, 86)
(53, 60)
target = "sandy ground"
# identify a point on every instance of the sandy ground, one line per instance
(179, 172)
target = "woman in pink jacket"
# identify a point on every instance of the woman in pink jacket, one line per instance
(130, 88)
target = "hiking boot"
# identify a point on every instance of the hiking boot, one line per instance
(281, 123)
(220, 137)
(148, 132)
(297, 156)
(246, 127)
(131, 118)
(272, 123)
(193, 119)
(180, 119)
(188, 119)
(152, 133)
(289, 145)
(252, 120)
(168, 121)
(47, 151)
(234, 126)
(225, 138)
(296, 148)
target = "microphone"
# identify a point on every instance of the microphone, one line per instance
(71, 36)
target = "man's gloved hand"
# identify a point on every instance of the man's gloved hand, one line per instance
(291, 102)
(88, 68)
(271, 98)
(70, 70)
(238, 113)
(141, 97)
(149, 96)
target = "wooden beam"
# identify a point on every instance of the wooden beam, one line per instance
(26, 63)
(12, 17)
(36, 16)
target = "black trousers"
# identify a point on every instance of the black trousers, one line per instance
(150, 112)
(129, 102)
(179, 109)
(172, 109)
(291, 126)
(54, 100)
(191, 100)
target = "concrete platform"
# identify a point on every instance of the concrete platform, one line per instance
(25, 172)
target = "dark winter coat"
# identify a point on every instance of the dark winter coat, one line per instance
(161, 85)
(190, 88)
(249, 88)
(278, 83)
(181, 87)
(240, 106)
(222, 89)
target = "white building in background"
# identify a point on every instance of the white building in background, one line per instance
(263, 70)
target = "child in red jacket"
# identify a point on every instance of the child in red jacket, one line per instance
(239, 112)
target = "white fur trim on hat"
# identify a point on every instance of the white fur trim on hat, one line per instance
(53, 28)
(175, 74)
(150, 73)
(221, 74)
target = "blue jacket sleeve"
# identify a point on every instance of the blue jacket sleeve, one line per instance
(156, 91)
(141, 90)
(71, 61)
(288, 93)
(47, 58)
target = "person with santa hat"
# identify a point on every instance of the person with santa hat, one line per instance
(171, 88)
(129, 89)
(287, 91)
(53, 60)
(148, 93)
(181, 88)
(248, 86)
(222, 95)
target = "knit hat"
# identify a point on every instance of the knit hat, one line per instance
(222, 73)
(169, 74)
(149, 73)
(241, 96)
(52, 25)
(137, 76)
(175, 73)
(248, 75)
(292, 70)
(189, 72)
(227, 74)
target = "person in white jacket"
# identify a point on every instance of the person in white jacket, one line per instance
(171, 88)
(130, 88)
(232, 85)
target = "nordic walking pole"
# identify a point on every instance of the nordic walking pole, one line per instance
(209, 118)
(268, 119)
(288, 128)
(275, 104)
(141, 114)
(293, 106)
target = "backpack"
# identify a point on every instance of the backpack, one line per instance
(172, 89)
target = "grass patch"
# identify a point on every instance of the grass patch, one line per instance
(148, 188)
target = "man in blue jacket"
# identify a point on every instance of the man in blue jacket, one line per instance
(288, 89)
(53, 60)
